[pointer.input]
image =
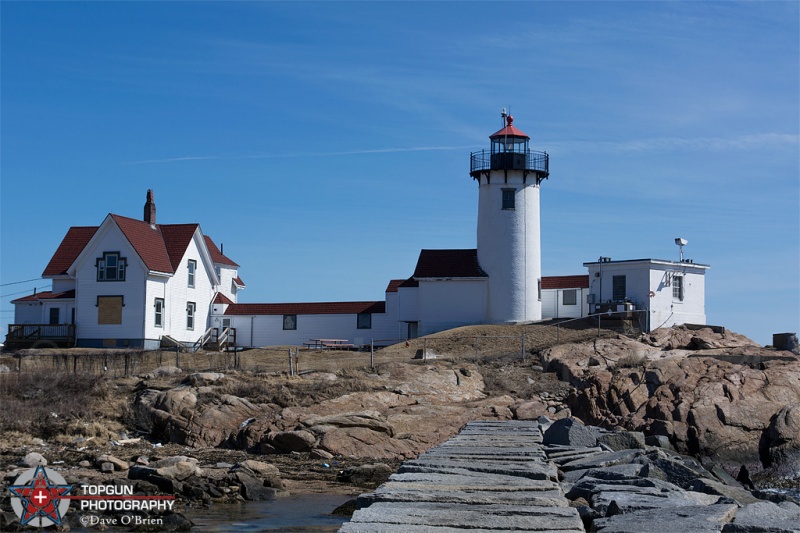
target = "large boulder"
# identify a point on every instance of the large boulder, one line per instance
(782, 443)
(708, 393)
(176, 415)
(570, 432)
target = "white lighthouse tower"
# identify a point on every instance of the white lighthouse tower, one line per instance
(509, 248)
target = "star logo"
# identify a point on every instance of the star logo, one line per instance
(38, 497)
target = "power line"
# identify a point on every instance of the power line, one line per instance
(18, 282)
(23, 292)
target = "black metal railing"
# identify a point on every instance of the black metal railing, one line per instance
(528, 160)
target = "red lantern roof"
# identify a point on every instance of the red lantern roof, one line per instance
(509, 130)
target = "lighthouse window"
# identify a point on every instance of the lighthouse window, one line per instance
(508, 198)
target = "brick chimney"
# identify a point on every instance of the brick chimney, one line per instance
(150, 209)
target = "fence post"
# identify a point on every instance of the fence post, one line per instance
(177, 356)
(75, 366)
(291, 364)
(372, 354)
(297, 360)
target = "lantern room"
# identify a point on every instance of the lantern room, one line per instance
(509, 151)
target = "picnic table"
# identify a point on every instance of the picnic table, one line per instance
(334, 344)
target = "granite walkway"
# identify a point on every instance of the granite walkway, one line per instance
(492, 476)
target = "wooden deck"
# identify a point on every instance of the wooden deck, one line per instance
(40, 336)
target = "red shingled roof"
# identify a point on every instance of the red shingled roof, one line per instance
(580, 281)
(222, 299)
(397, 283)
(176, 239)
(238, 281)
(46, 295)
(148, 242)
(161, 248)
(70, 248)
(312, 308)
(509, 130)
(393, 285)
(216, 255)
(448, 264)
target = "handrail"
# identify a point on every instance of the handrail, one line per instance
(204, 339)
(531, 160)
(224, 339)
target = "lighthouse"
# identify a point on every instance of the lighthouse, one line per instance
(509, 251)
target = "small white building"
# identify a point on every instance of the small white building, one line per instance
(670, 292)
(565, 296)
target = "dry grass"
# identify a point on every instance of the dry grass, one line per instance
(85, 392)
(469, 343)
(50, 403)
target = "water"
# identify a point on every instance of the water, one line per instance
(300, 512)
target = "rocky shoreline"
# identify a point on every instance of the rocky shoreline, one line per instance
(209, 437)
(564, 476)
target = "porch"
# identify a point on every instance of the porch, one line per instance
(40, 336)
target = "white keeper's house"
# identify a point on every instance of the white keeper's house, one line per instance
(135, 283)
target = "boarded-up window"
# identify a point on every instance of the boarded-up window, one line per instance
(109, 309)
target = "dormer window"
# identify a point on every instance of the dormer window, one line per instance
(111, 267)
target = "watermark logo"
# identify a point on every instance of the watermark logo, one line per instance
(40, 497)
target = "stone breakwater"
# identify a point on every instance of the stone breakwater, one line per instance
(563, 476)
(491, 476)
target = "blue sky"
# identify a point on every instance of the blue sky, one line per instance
(326, 143)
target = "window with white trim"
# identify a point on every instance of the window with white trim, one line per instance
(677, 288)
(192, 270)
(159, 313)
(191, 307)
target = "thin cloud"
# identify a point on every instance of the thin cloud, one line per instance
(298, 154)
(667, 144)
